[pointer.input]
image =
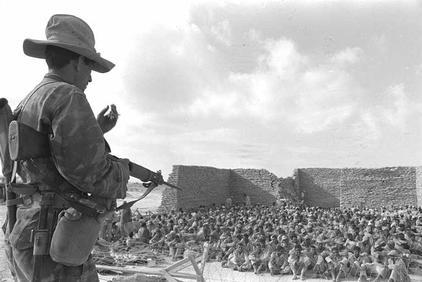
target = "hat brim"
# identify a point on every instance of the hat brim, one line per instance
(36, 48)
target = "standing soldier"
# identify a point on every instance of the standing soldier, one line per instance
(125, 218)
(78, 164)
(229, 202)
(247, 200)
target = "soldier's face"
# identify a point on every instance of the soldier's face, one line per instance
(83, 74)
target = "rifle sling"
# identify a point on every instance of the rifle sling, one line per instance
(131, 203)
(61, 200)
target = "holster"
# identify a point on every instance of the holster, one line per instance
(41, 237)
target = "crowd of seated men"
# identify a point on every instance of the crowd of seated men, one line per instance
(292, 239)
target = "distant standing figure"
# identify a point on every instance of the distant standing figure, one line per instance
(247, 200)
(143, 233)
(229, 202)
(125, 217)
(106, 229)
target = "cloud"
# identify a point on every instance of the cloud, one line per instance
(216, 105)
(347, 56)
(286, 86)
(167, 68)
(394, 113)
(282, 58)
(399, 108)
(367, 128)
(186, 72)
(222, 32)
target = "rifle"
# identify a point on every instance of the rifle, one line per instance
(39, 147)
(138, 171)
(151, 180)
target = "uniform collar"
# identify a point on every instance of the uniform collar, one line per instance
(53, 76)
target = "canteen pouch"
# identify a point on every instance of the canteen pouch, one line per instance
(74, 237)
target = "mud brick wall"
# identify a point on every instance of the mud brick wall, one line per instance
(260, 184)
(169, 198)
(379, 187)
(324, 187)
(418, 172)
(208, 185)
(320, 186)
(202, 186)
(288, 189)
(359, 187)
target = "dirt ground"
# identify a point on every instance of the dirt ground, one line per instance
(213, 271)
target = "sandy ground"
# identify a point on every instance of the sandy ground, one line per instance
(213, 271)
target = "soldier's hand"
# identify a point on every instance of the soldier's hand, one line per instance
(107, 118)
(157, 178)
(150, 185)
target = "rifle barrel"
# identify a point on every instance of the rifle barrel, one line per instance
(172, 186)
(143, 174)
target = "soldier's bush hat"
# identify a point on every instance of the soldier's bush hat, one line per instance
(70, 33)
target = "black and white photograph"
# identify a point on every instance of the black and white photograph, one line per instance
(211, 140)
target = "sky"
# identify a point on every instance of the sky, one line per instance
(276, 85)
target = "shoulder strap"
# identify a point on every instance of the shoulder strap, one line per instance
(22, 104)
(16, 116)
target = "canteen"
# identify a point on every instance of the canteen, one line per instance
(74, 237)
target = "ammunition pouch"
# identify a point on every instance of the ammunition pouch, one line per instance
(20, 148)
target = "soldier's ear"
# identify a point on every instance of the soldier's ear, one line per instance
(79, 63)
(73, 64)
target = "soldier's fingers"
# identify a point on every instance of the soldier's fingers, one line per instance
(113, 116)
(113, 112)
(113, 109)
(103, 111)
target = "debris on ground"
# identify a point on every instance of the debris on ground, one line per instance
(120, 254)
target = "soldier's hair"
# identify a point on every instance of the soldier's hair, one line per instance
(57, 57)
